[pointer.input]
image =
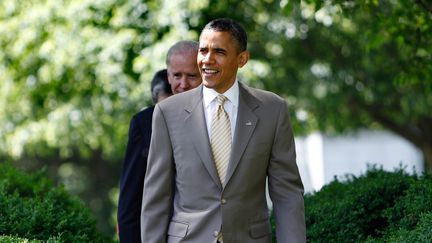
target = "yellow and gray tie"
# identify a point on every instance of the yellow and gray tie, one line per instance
(221, 138)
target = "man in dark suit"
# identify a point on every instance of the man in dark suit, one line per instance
(182, 75)
(212, 150)
(134, 167)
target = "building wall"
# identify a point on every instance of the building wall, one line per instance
(322, 157)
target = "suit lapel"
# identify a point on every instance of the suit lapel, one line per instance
(195, 121)
(245, 125)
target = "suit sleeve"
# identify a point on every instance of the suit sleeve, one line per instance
(285, 185)
(131, 182)
(158, 184)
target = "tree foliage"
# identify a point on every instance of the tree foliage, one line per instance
(74, 71)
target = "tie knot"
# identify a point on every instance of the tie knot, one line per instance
(220, 99)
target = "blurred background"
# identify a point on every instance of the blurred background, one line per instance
(357, 76)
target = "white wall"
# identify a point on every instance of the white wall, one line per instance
(321, 157)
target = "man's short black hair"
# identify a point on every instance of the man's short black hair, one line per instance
(234, 28)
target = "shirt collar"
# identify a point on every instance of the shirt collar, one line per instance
(232, 94)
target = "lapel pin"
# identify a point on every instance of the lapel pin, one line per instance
(248, 123)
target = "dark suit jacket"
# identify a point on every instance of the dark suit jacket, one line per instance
(184, 200)
(132, 177)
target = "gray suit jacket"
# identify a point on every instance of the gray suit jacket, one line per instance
(183, 199)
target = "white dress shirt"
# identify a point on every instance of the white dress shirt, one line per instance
(230, 106)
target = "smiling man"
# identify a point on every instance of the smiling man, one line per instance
(221, 142)
(183, 74)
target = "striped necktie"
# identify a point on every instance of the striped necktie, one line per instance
(221, 138)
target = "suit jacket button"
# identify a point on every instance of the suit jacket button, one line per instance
(223, 201)
(215, 234)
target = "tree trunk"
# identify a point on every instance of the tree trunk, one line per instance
(427, 154)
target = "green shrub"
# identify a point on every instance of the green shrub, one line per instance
(14, 239)
(407, 210)
(411, 217)
(354, 209)
(420, 233)
(32, 207)
(378, 206)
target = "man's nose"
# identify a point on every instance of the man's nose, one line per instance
(184, 82)
(207, 58)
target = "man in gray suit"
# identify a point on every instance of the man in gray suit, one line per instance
(193, 192)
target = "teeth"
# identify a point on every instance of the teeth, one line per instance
(210, 71)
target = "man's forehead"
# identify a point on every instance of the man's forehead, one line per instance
(182, 54)
(215, 41)
(211, 44)
(182, 68)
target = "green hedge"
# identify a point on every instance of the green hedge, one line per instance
(14, 239)
(378, 206)
(420, 233)
(31, 207)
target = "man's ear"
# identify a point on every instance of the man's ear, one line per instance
(243, 58)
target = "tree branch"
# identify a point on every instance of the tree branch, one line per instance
(424, 5)
(411, 132)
